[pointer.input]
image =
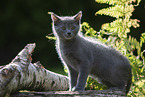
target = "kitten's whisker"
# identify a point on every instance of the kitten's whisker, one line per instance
(50, 34)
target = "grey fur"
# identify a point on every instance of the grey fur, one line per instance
(83, 56)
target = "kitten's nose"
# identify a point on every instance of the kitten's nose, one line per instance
(68, 33)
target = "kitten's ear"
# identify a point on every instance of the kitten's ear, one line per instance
(78, 16)
(55, 18)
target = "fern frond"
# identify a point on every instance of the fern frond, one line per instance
(116, 11)
(134, 23)
(118, 2)
(128, 10)
(110, 2)
(131, 43)
(142, 39)
(138, 1)
(89, 30)
(113, 27)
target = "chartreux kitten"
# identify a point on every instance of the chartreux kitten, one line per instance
(84, 56)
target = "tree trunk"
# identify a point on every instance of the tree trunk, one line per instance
(22, 74)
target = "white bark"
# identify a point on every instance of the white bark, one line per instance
(22, 74)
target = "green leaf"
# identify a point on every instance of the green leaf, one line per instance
(138, 1)
(134, 23)
(114, 27)
(142, 39)
(129, 8)
(116, 11)
(110, 2)
(51, 37)
(85, 24)
(118, 2)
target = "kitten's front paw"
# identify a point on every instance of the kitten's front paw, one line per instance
(74, 89)
(70, 89)
(77, 89)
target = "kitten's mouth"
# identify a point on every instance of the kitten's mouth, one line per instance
(68, 36)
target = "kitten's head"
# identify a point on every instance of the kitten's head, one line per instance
(66, 27)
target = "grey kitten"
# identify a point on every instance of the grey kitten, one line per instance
(84, 56)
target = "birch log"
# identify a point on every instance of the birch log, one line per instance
(22, 74)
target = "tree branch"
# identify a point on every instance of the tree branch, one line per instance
(22, 74)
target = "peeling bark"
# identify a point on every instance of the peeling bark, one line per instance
(22, 74)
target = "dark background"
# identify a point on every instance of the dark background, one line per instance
(27, 21)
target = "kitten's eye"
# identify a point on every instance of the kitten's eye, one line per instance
(73, 27)
(63, 28)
